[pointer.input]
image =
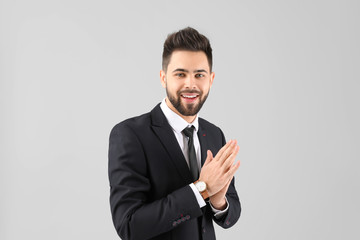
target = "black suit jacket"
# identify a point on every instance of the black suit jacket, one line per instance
(150, 196)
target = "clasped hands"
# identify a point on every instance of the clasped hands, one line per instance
(217, 172)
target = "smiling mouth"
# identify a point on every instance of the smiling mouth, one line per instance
(189, 96)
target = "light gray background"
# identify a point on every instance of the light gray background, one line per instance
(286, 86)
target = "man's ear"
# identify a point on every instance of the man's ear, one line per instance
(212, 76)
(163, 78)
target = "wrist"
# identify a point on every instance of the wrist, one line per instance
(205, 180)
(202, 188)
(218, 204)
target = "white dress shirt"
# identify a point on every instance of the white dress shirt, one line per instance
(178, 124)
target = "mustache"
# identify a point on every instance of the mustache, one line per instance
(189, 92)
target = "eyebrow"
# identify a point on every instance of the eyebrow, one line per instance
(184, 70)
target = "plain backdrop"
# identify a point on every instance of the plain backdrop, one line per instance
(286, 87)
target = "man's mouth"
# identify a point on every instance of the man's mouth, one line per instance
(189, 97)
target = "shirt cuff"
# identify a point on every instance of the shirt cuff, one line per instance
(219, 213)
(198, 196)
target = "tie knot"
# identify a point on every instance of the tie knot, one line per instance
(188, 131)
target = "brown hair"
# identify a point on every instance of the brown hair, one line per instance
(188, 39)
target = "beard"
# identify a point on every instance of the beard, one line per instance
(187, 109)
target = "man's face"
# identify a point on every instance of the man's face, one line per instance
(187, 82)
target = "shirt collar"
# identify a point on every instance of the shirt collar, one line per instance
(176, 122)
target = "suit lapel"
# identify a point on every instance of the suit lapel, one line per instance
(204, 146)
(166, 135)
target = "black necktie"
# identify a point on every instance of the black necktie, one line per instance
(191, 153)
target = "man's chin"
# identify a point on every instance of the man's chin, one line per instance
(189, 109)
(186, 104)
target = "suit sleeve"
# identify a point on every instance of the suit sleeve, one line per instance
(134, 215)
(233, 213)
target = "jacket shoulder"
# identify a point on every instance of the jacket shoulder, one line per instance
(139, 123)
(134, 123)
(208, 125)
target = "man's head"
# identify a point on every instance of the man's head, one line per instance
(187, 39)
(186, 73)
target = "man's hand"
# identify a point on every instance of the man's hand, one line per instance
(218, 171)
(218, 200)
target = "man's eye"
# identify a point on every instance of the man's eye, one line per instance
(199, 75)
(180, 75)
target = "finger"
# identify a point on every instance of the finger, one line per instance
(209, 157)
(227, 159)
(229, 150)
(233, 169)
(231, 158)
(223, 149)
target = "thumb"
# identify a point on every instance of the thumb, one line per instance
(209, 157)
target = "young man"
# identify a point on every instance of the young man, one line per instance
(165, 181)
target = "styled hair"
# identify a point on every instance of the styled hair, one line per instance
(188, 39)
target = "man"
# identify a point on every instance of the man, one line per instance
(165, 181)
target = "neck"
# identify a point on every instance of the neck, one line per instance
(189, 119)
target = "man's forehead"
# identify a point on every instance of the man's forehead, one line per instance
(188, 61)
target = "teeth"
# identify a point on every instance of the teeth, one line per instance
(189, 96)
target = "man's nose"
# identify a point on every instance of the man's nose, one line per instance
(190, 82)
